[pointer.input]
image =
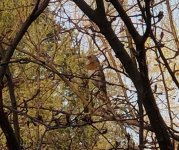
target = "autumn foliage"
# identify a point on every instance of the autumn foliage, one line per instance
(89, 74)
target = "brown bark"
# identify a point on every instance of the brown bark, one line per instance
(11, 88)
(12, 142)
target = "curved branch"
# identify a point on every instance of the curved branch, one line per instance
(10, 50)
(165, 61)
(12, 142)
(135, 35)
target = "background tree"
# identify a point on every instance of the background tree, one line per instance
(48, 101)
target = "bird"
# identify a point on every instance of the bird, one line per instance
(95, 73)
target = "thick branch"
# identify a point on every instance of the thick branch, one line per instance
(148, 21)
(13, 103)
(140, 80)
(12, 141)
(100, 7)
(10, 50)
(135, 35)
(117, 46)
(85, 8)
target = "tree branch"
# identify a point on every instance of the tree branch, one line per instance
(85, 8)
(10, 50)
(12, 142)
(115, 43)
(148, 21)
(10, 85)
(165, 61)
(135, 35)
(100, 7)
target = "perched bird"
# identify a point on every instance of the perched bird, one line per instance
(95, 72)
